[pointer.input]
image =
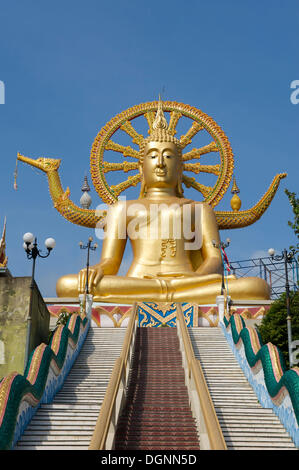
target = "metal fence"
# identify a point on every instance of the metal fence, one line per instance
(273, 272)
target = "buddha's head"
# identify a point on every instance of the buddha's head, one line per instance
(161, 158)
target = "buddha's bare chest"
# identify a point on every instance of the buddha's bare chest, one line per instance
(161, 222)
(163, 236)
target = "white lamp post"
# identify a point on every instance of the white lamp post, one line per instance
(30, 246)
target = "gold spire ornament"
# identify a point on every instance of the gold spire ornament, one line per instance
(235, 201)
(160, 121)
(3, 257)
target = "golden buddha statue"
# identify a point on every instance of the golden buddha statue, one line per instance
(173, 238)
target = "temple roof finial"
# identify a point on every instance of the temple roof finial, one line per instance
(85, 200)
(235, 202)
(3, 257)
(235, 188)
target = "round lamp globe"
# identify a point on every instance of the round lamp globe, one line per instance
(50, 243)
(28, 237)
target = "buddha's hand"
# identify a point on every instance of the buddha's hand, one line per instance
(95, 274)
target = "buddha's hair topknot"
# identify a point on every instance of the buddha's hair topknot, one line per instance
(159, 133)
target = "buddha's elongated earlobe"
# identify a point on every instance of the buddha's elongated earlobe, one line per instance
(143, 189)
(180, 190)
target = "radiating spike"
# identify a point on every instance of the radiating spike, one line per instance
(191, 182)
(150, 117)
(187, 138)
(126, 151)
(124, 166)
(129, 166)
(131, 181)
(129, 129)
(198, 168)
(174, 119)
(196, 153)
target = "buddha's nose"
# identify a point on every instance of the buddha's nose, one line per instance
(160, 163)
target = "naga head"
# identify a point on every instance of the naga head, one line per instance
(44, 164)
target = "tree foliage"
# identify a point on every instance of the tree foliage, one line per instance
(294, 201)
(273, 328)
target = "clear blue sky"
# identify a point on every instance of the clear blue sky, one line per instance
(70, 66)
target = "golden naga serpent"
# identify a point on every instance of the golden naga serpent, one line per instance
(104, 144)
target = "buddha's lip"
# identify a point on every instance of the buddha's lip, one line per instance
(159, 172)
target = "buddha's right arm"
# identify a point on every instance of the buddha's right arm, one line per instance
(113, 248)
(212, 263)
(115, 238)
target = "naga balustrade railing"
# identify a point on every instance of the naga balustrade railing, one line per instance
(104, 432)
(210, 433)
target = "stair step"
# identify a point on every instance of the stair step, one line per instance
(47, 446)
(156, 377)
(69, 421)
(245, 424)
(157, 414)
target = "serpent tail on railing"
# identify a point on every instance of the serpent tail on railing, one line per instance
(279, 380)
(21, 394)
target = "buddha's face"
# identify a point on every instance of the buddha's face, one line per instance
(161, 165)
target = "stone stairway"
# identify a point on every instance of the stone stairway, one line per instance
(245, 424)
(68, 422)
(157, 413)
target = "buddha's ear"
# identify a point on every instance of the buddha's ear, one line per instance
(143, 187)
(180, 189)
(143, 190)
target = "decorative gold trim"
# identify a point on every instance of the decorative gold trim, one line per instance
(195, 374)
(201, 121)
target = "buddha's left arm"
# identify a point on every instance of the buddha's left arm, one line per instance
(212, 263)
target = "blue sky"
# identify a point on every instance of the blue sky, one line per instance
(69, 67)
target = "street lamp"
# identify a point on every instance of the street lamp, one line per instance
(288, 258)
(88, 247)
(222, 246)
(30, 246)
(32, 251)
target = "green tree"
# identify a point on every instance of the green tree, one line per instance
(294, 201)
(273, 328)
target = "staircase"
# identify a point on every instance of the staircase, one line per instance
(68, 422)
(157, 413)
(245, 424)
